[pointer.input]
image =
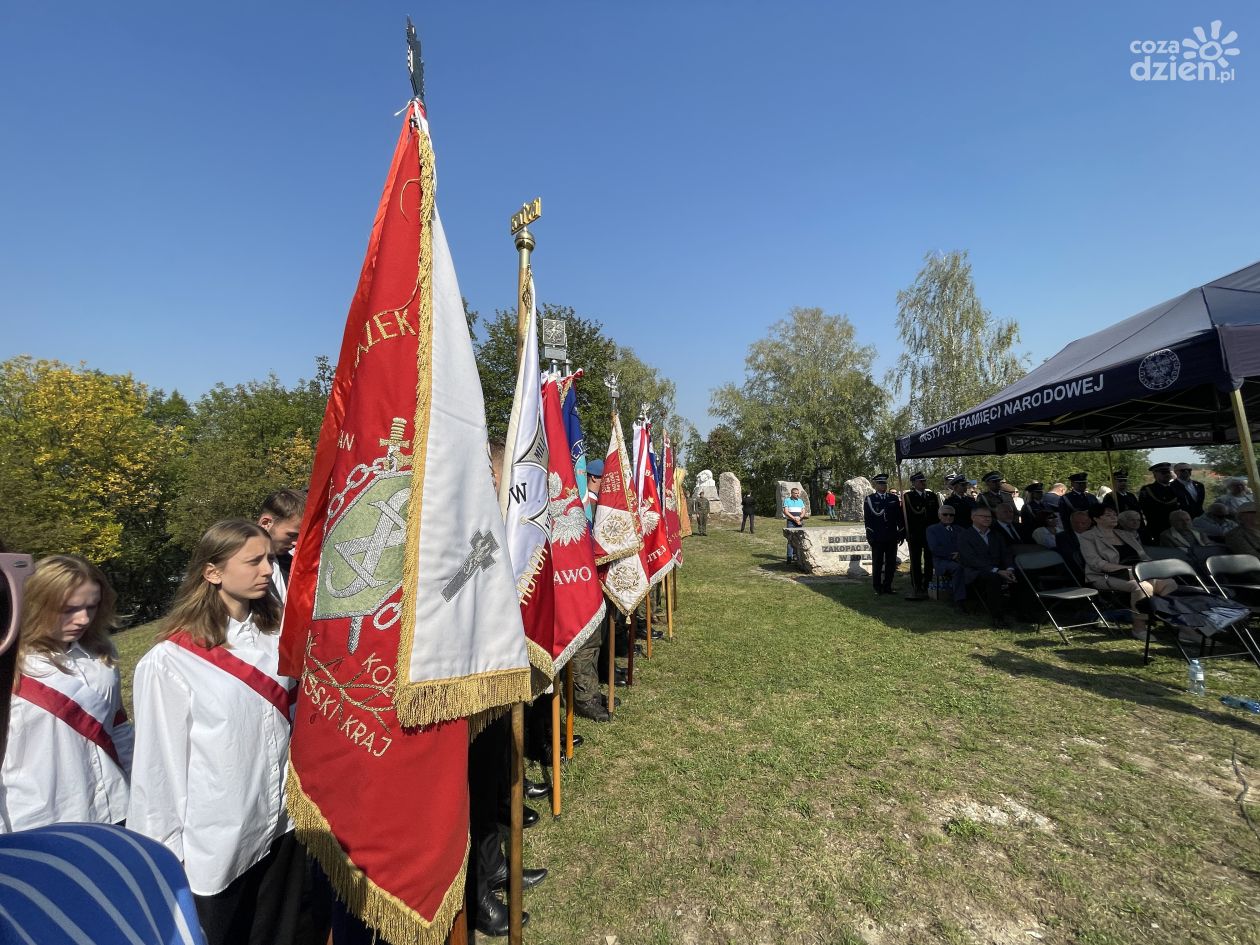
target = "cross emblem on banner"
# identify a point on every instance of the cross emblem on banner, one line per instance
(394, 445)
(480, 558)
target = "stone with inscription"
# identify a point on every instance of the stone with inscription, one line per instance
(730, 494)
(834, 550)
(782, 489)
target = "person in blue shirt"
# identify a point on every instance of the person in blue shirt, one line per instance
(793, 515)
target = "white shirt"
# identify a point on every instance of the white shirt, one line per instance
(211, 752)
(51, 773)
(278, 581)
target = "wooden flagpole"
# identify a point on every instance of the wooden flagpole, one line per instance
(629, 652)
(568, 703)
(647, 651)
(524, 240)
(669, 599)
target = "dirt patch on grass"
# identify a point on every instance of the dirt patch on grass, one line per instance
(1006, 813)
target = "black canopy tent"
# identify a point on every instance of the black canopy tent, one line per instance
(1182, 373)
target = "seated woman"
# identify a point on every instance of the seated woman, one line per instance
(1110, 555)
(1045, 534)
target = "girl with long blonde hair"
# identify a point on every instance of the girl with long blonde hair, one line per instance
(70, 743)
(212, 742)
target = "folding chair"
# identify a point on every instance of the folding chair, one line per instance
(1036, 567)
(1240, 573)
(1185, 576)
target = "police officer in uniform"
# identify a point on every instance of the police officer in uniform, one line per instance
(994, 496)
(1158, 500)
(1076, 499)
(961, 503)
(1120, 498)
(921, 505)
(885, 529)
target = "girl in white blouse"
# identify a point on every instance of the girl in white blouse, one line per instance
(69, 756)
(212, 738)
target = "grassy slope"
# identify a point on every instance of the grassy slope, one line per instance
(809, 763)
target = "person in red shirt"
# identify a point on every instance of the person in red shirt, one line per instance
(831, 504)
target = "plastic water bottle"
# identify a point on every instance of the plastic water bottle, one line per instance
(1195, 680)
(1247, 705)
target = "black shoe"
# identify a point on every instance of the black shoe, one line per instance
(534, 790)
(528, 820)
(492, 916)
(578, 740)
(621, 677)
(592, 710)
(529, 878)
(616, 702)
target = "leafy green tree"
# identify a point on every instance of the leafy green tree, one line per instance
(86, 469)
(1224, 460)
(955, 354)
(245, 442)
(808, 405)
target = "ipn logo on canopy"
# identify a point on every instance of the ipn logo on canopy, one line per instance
(1204, 57)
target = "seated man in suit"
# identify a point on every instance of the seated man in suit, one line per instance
(1069, 544)
(986, 561)
(942, 541)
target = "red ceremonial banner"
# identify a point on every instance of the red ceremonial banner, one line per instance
(578, 604)
(669, 492)
(379, 800)
(658, 558)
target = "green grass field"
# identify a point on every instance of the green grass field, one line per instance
(808, 763)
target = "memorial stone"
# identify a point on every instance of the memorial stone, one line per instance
(834, 550)
(706, 489)
(730, 493)
(852, 495)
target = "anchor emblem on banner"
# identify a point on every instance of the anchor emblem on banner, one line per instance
(361, 564)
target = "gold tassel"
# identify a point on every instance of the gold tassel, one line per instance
(396, 922)
(427, 703)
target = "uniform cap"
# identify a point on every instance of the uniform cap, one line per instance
(918, 477)
(882, 477)
(994, 476)
(1120, 475)
(1035, 487)
(595, 468)
(1160, 467)
(1078, 477)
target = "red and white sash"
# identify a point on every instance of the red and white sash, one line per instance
(70, 699)
(279, 694)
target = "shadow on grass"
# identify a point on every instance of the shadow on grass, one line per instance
(1113, 685)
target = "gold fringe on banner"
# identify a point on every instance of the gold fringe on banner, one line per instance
(387, 914)
(439, 700)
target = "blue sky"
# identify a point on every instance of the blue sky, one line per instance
(187, 190)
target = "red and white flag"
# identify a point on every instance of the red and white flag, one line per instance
(658, 558)
(402, 617)
(579, 602)
(669, 492)
(619, 549)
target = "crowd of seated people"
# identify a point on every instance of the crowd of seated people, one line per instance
(1101, 537)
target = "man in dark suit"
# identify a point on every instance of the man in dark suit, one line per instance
(942, 539)
(987, 567)
(1005, 525)
(1069, 545)
(1193, 492)
(921, 504)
